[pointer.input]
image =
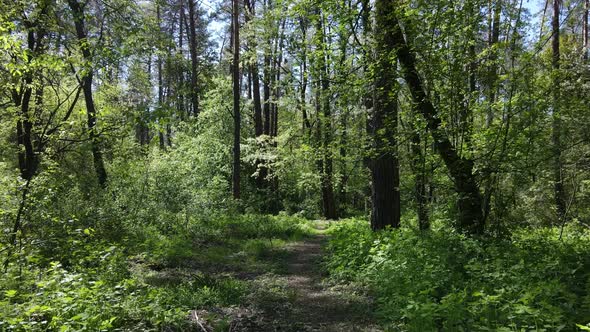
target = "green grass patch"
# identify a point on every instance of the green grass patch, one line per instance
(426, 281)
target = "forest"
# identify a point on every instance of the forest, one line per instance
(294, 165)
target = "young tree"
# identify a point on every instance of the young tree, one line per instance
(236, 95)
(559, 191)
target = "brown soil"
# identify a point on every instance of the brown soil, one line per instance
(300, 300)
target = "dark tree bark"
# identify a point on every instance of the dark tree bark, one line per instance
(236, 93)
(419, 168)
(384, 162)
(193, 47)
(585, 33)
(559, 192)
(325, 127)
(367, 98)
(470, 219)
(87, 77)
(27, 158)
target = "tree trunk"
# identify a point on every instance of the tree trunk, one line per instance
(266, 88)
(560, 202)
(160, 84)
(303, 76)
(78, 14)
(384, 162)
(194, 92)
(494, 36)
(258, 125)
(470, 219)
(328, 201)
(236, 92)
(419, 168)
(586, 44)
(180, 94)
(367, 98)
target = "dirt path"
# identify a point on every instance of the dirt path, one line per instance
(300, 300)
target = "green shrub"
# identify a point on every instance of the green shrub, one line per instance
(434, 280)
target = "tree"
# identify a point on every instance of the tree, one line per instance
(585, 27)
(385, 162)
(192, 34)
(86, 79)
(236, 95)
(470, 218)
(560, 201)
(324, 127)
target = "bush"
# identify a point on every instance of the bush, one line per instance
(434, 280)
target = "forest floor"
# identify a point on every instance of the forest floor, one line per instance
(296, 295)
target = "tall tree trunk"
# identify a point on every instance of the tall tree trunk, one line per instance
(160, 84)
(470, 219)
(303, 76)
(192, 33)
(258, 125)
(585, 33)
(560, 202)
(78, 14)
(277, 63)
(494, 36)
(267, 82)
(180, 93)
(328, 201)
(367, 97)
(236, 92)
(384, 163)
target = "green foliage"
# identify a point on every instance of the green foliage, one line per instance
(140, 287)
(442, 280)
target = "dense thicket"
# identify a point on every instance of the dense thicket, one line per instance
(125, 120)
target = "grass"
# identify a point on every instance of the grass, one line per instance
(152, 281)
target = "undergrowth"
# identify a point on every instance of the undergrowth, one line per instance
(148, 281)
(441, 280)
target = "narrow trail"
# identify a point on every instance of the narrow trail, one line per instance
(310, 304)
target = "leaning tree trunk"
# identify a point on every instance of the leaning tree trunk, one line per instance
(470, 219)
(87, 77)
